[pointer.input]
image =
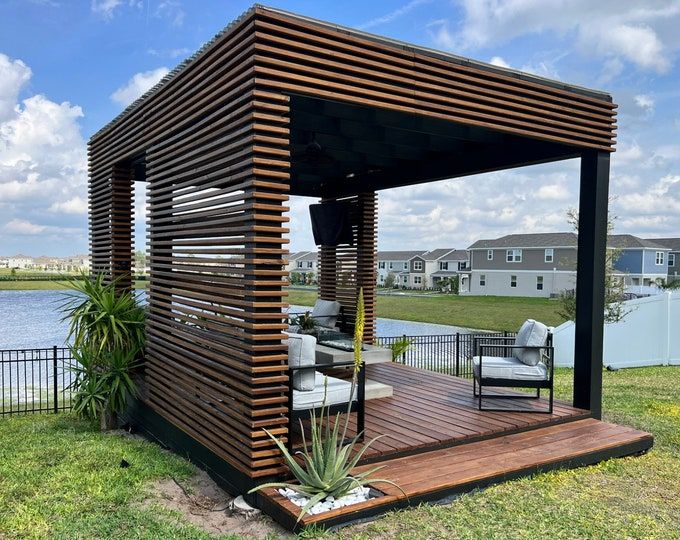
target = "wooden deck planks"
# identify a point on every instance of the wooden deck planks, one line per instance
(430, 410)
(434, 474)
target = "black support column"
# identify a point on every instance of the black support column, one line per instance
(590, 281)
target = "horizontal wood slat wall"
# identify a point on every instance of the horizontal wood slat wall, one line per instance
(347, 268)
(300, 56)
(215, 140)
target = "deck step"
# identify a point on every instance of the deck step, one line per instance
(435, 475)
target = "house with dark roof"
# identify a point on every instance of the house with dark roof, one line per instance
(303, 267)
(640, 262)
(396, 263)
(544, 264)
(421, 269)
(673, 256)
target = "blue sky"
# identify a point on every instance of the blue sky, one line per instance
(68, 67)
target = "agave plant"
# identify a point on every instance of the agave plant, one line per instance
(328, 461)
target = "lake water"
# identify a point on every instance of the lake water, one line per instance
(31, 319)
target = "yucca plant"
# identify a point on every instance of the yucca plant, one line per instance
(107, 333)
(328, 461)
(102, 317)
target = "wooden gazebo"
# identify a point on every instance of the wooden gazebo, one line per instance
(277, 105)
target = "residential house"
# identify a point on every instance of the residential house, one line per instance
(397, 263)
(20, 262)
(444, 264)
(544, 264)
(303, 267)
(673, 256)
(640, 262)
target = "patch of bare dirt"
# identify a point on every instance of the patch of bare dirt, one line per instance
(201, 501)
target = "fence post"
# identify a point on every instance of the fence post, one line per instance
(403, 355)
(54, 374)
(457, 354)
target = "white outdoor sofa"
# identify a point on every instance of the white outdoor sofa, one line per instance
(523, 361)
(307, 386)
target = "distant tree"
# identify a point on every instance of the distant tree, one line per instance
(614, 308)
(140, 261)
(389, 280)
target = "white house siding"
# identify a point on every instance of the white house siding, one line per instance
(647, 336)
(498, 283)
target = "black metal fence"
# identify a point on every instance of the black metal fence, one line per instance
(449, 353)
(35, 380)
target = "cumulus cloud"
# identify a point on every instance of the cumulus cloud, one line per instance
(43, 163)
(615, 30)
(138, 85)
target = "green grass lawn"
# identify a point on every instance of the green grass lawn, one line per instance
(46, 285)
(61, 479)
(479, 312)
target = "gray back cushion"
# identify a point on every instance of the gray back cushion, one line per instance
(326, 312)
(531, 334)
(301, 353)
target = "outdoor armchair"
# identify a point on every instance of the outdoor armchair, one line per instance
(308, 386)
(525, 361)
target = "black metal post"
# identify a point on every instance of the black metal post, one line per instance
(590, 281)
(54, 373)
(457, 354)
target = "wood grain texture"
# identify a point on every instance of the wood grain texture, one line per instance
(213, 142)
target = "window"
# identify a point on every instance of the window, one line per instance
(513, 255)
(482, 280)
(671, 259)
(299, 264)
(443, 265)
(659, 258)
(404, 279)
(489, 254)
(417, 280)
(310, 264)
(539, 283)
(549, 255)
(381, 265)
(391, 266)
(513, 281)
(417, 265)
(406, 266)
(382, 278)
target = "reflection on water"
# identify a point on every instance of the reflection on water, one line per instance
(31, 319)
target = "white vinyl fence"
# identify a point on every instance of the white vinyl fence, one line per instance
(649, 335)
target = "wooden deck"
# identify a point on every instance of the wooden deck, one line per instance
(429, 410)
(437, 444)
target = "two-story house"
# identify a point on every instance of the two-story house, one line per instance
(673, 256)
(397, 263)
(303, 267)
(542, 264)
(640, 262)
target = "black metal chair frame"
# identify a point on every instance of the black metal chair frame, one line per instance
(358, 406)
(547, 353)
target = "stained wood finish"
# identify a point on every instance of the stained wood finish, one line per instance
(436, 474)
(429, 410)
(213, 141)
(346, 269)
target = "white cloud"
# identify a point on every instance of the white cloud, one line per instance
(106, 8)
(43, 165)
(393, 15)
(138, 85)
(615, 30)
(170, 10)
(645, 102)
(553, 192)
(170, 53)
(74, 205)
(14, 74)
(498, 61)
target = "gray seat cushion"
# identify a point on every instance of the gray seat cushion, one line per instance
(301, 353)
(326, 312)
(509, 368)
(337, 392)
(531, 334)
